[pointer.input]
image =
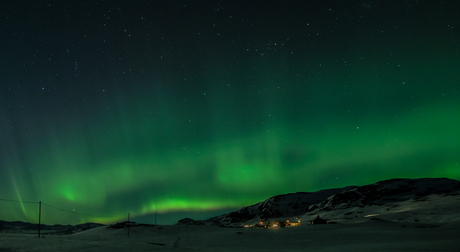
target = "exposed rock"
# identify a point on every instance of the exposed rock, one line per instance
(388, 192)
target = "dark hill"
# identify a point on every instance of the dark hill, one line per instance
(297, 204)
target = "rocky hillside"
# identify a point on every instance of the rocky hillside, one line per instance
(302, 203)
(387, 191)
(287, 205)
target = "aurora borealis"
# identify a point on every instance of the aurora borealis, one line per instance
(188, 109)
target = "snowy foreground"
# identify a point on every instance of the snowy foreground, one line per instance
(369, 235)
(393, 215)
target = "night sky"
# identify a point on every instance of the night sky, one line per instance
(193, 108)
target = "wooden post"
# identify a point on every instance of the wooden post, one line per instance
(39, 217)
(128, 224)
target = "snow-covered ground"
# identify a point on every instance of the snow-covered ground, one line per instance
(398, 200)
(369, 235)
(403, 215)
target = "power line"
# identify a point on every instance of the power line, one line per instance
(65, 210)
(31, 202)
(61, 209)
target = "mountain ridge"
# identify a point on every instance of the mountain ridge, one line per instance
(384, 194)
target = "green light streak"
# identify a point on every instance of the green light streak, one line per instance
(18, 195)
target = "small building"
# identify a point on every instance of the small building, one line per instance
(291, 223)
(295, 223)
(318, 220)
(262, 224)
(275, 225)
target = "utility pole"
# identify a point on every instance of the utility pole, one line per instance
(39, 216)
(128, 224)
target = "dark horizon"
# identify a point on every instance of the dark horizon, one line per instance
(172, 218)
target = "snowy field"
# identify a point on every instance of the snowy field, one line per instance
(425, 217)
(369, 235)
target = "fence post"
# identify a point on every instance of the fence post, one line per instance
(39, 216)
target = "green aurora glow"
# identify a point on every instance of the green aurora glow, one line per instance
(224, 134)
